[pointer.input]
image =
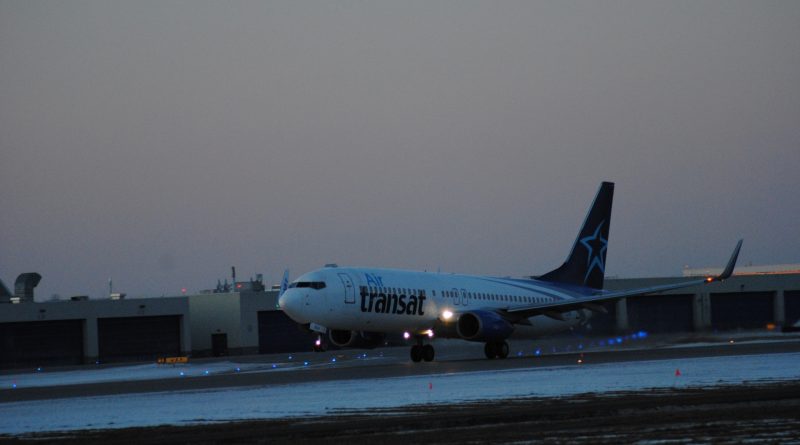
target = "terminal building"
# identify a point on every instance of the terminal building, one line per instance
(244, 318)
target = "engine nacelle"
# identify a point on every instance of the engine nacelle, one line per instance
(483, 326)
(356, 339)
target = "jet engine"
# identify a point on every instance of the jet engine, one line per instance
(483, 326)
(356, 339)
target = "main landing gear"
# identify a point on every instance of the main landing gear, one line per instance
(496, 349)
(420, 352)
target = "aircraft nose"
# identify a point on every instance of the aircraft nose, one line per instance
(292, 305)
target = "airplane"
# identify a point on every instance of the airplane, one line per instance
(358, 306)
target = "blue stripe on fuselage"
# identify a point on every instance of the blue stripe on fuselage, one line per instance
(541, 288)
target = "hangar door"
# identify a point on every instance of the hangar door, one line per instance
(599, 323)
(741, 310)
(279, 333)
(661, 313)
(138, 338)
(791, 305)
(58, 342)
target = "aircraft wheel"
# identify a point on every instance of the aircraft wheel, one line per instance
(490, 350)
(416, 353)
(502, 349)
(428, 353)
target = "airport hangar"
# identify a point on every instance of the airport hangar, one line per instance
(244, 318)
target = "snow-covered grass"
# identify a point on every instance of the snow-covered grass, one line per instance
(149, 371)
(320, 398)
(152, 371)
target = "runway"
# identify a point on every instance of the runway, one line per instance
(453, 357)
(325, 386)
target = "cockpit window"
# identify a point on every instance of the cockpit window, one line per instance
(312, 284)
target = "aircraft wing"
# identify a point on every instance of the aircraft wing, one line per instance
(556, 308)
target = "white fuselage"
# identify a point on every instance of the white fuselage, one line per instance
(390, 300)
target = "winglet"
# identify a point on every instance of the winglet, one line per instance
(729, 268)
(284, 282)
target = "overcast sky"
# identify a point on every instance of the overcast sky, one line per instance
(161, 142)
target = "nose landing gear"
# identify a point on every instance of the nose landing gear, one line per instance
(496, 349)
(420, 352)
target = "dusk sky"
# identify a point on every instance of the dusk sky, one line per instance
(161, 142)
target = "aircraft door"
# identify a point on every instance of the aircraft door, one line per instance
(455, 295)
(464, 297)
(349, 289)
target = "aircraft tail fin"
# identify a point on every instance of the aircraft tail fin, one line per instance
(586, 263)
(284, 282)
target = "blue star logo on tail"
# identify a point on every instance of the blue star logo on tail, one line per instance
(596, 245)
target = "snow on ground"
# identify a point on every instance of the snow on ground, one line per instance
(320, 398)
(149, 371)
